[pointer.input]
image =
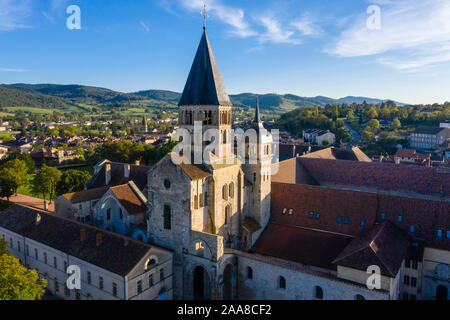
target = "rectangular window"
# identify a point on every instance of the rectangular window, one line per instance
(108, 214)
(408, 263)
(383, 216)
(65, 266)
(439, 233)
(150, 280)
(10, 242)
(114, 289)
(88, 277)
(66, 291)
(406, 280)
(411, 229)
(413, 282)
(18, 246)
(100, 283)
(317, 216)
(56, 286)
(311, 215)
(139, 286)
(414, 264)
(362, 223)
(400, 219)
(45, 257)
(27, 250)
(36, 256)
(448, 234)
(55, 263)
(167, 217)
(161, 274)
(346, 220)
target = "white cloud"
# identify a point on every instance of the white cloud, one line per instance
(413, 33)
(13, 70)
(274, 32)
(307, 26)
(13, 14)
(147, 29)
(235, 17)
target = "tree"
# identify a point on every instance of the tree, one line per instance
(19, 169)
(325, 142)
(72, 181)
(372, 113)
(374, 125)
(8, 183)
(396, 124)
(20, 156)
(350, 115)
(367, 135)
(16, 281)
(46, 181)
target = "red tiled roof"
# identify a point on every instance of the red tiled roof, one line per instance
(426, 215)
(129, 199)
(116, 253)
(406, 153)
(382, 176)
(309, 247)
(384, 245)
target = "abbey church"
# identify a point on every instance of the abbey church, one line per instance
(315, 229)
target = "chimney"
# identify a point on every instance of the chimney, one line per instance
(126, 171)
(107, 173)
(99, 239)
(38, 219)
(83, 234)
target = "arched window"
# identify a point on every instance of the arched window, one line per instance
(231, 190)
(282, 282)
(167, 217)
(227, 214)
(195, 202)
(150, 263)
(225, 192)
(201, 200)
(359, 297)
(318, 292)
(249, 273)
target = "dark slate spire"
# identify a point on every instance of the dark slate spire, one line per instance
(257, 118)
(204, 85)
(257, 124)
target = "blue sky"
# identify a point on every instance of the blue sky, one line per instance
(309, 48)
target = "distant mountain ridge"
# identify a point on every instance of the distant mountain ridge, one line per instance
(54, 95)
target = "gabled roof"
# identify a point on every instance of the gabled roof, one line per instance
(204, 85)
(384, 245)
(116, 253)
(86, 195)
(129, 197)
(306, 246)
(353, 154)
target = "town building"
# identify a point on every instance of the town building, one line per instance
(318, 136)
(112, 267)
(429, 138)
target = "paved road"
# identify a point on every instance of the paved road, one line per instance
(356, 137)
(30, 201)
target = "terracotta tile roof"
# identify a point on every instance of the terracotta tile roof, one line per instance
(291, 171)
(384, 245)
(129, 199)
(406, 153)
(353, 154)
(334, 205)
(381, 176)
(86, 195)
(116, 253)
(194, 171)
(309, 247)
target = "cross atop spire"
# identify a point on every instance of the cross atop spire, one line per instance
(205, 15)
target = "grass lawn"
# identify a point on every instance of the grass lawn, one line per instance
(28, 189)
